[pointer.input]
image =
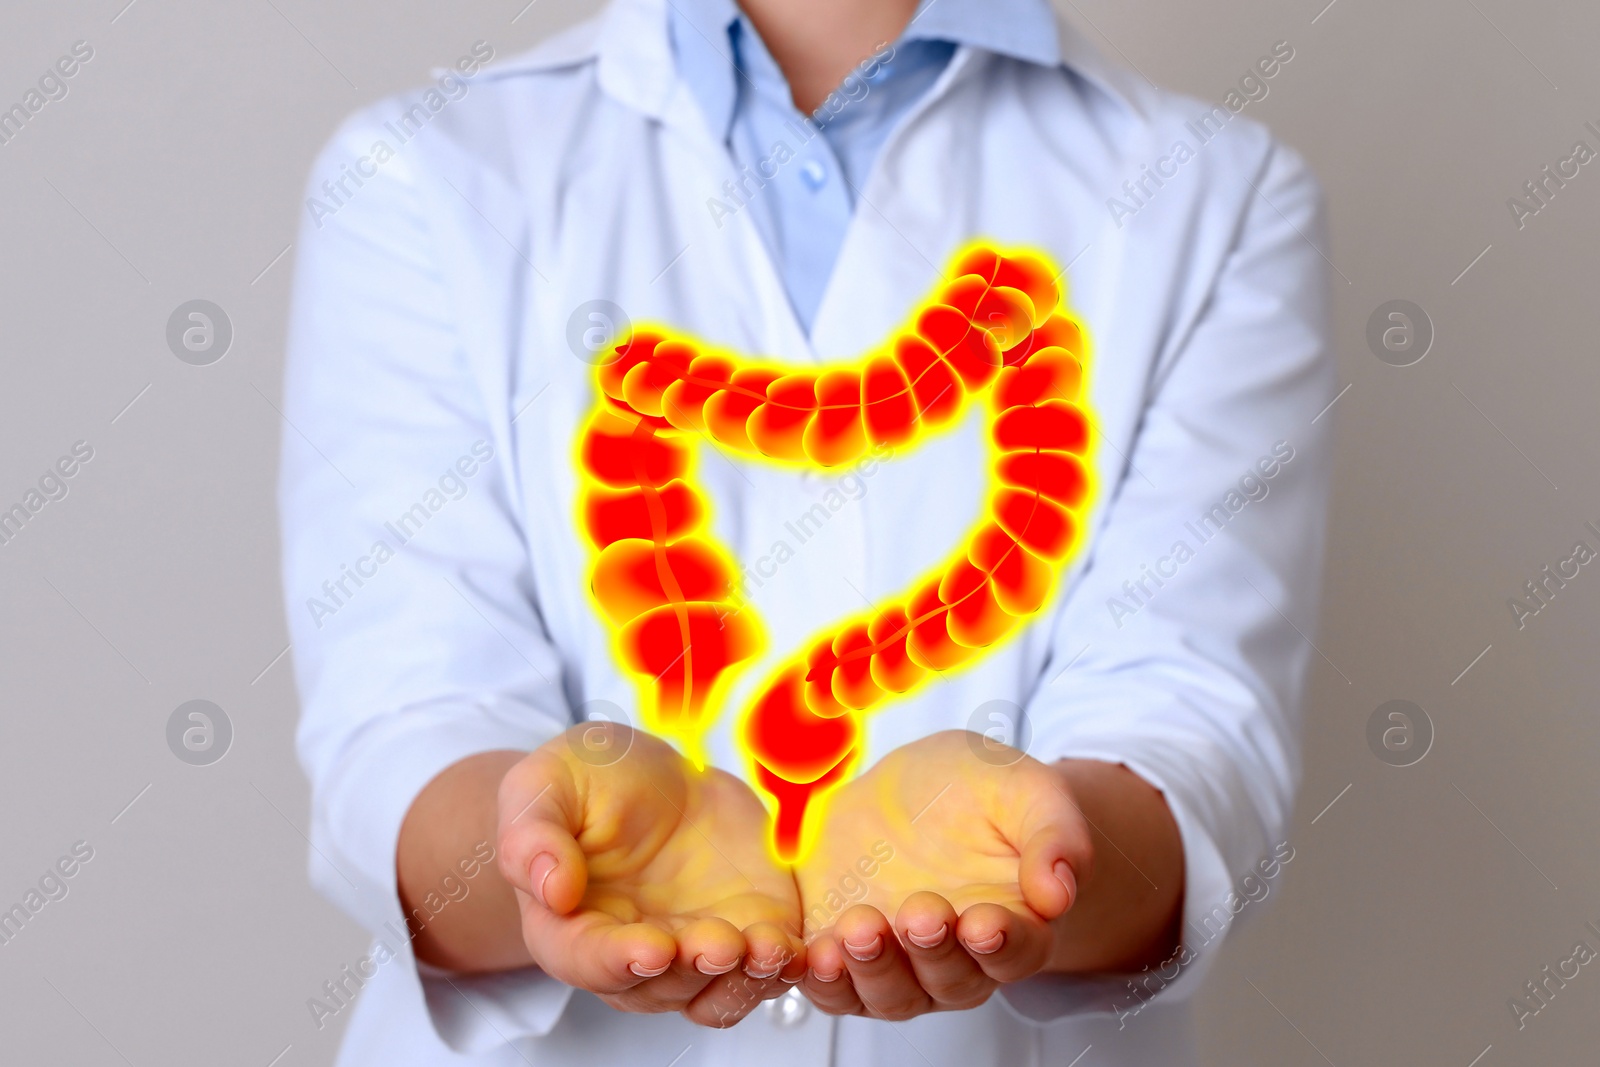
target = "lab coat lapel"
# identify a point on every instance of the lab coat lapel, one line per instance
(720, 276)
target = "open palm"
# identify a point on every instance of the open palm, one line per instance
(645, 880)
(982, 847)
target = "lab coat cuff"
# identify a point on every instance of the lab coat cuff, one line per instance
(384, 769)
(362, 803)
(1046, 998)
(477, 1014)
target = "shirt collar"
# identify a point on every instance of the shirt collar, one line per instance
(702, 35)
(633, 44)
(1022, 29)
(708, 36)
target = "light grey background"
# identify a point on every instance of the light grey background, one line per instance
(1416, 904)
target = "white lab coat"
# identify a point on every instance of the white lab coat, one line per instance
(431, 380)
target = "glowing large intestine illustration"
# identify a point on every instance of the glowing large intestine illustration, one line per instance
(996, 331)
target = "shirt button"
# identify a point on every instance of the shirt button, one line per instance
(814, 174)
(789, 1010)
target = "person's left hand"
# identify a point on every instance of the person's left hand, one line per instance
(987, 849)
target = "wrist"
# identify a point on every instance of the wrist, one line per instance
(1129, 908)
(458, 922)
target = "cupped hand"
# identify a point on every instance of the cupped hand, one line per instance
(985, 847)
(645, 880)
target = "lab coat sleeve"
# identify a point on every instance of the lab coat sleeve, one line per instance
(1183, 648)
(416, 637)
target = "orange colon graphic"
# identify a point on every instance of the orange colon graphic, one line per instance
(670, 592)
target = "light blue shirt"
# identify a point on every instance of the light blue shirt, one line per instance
(803, 209)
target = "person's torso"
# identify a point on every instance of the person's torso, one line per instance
(551, 200)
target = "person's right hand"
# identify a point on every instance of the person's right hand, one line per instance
(646, 881)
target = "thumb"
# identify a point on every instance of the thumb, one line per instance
(1057, 853)
(540, 816)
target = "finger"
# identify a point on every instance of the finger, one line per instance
(539, 815)
(1056, 849)
(1008, 945)
(727, 999)
(827, 981)
(773, 954)
(711, 947)
(878, 967)
(706, 949)
(595, 952)
(718, 1006)
(773, 959)
(926, 925)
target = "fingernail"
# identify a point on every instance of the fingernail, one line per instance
(868, 952)
(639, 970)
(786, 980)
(756, 969)
(819, 976)
(932, 940)
(539, 873)
(989, 944)
(705, 966)
(1064, 872)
